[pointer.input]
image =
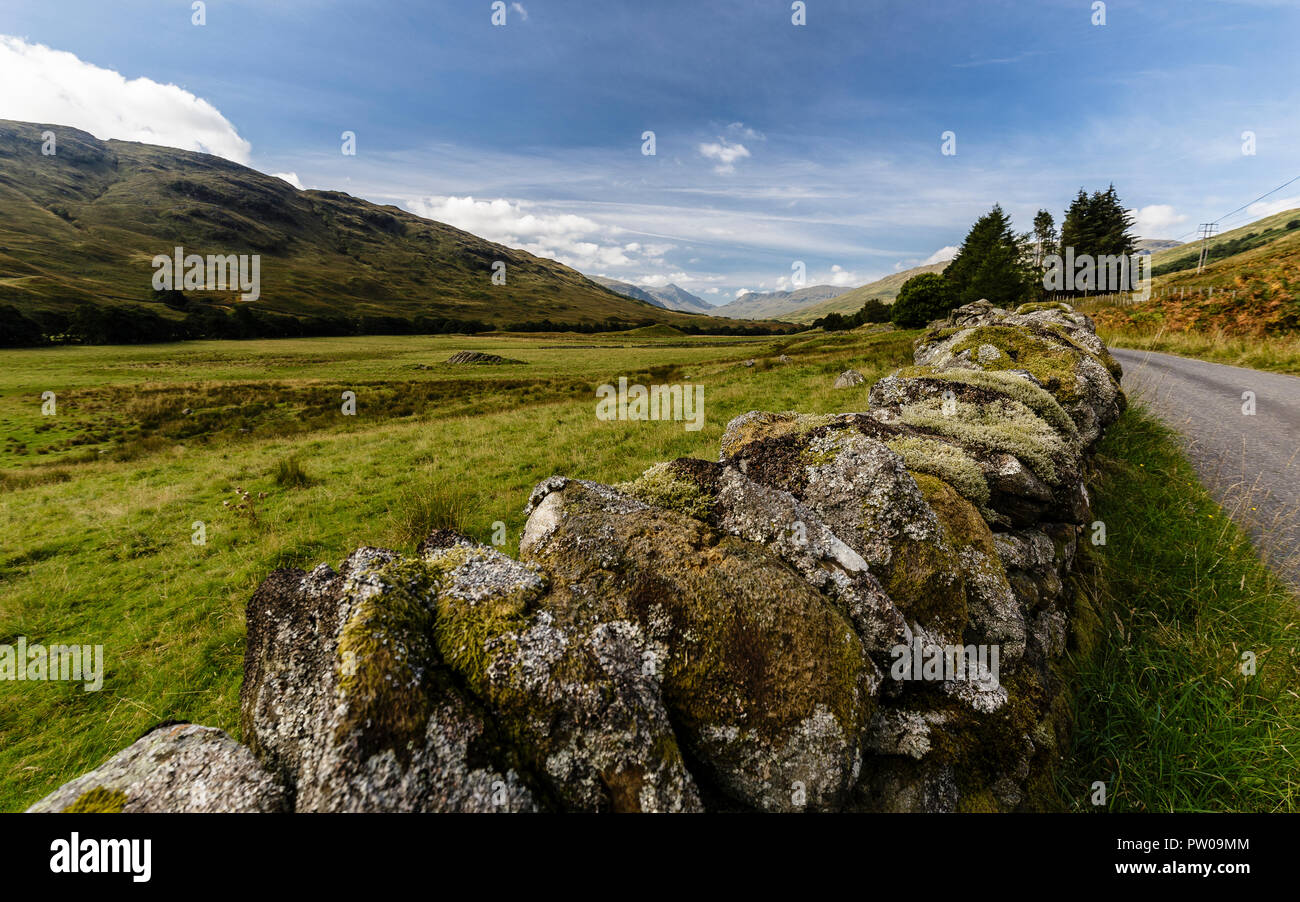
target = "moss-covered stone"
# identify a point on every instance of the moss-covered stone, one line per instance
(1004, 425)
(759, 425)
(767, 682)
(665, 485)
(98, 801)
(384, 653)
(1043, 305)
(1053, 366)
(944, 461)
(1011, 384)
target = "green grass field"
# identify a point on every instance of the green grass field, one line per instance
(98, 504)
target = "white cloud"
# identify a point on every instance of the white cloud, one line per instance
(55, 87)
(725, 153)
(841, 277)
(942, 255)
(1269, 207)
(290, 177)
(744, 131)
(573, 240)
(1157, 220)
(519, 8)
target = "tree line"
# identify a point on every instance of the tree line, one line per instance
(1001, 265)
(135, 324)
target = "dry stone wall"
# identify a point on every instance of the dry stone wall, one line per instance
(860, 611)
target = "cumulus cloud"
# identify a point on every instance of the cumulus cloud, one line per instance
(56, 87)
(290, 177)
(841, 277)
(1156, 220)
(573, 240)
(1269, 207)
(942, 255)
(725, 153)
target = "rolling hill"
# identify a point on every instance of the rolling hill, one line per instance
(778, 304)
(885, 290)
(82, 227)
(1250, 287)
(1231, 243)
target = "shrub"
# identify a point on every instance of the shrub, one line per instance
(290, 474)
(921, 299)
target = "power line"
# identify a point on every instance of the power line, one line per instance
(1242, 207)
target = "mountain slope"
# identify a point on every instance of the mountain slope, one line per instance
(1250, 287)
(670, 297)
(1228, 244)
(84, 224)
(676, 298)
(627, 289)
(778, 304)
(885, 290)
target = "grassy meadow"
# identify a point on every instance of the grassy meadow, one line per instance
(98, 504)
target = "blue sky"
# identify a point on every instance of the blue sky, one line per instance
(775, 143)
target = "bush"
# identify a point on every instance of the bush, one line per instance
(921, 299)
(291, 474)
(874, 311)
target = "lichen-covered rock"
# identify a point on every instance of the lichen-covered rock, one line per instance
(996, 617)
(728, 500)
(862, 491)
(173, 769)
(581, 701)
(346, 697)
(1057, 349)
(768, 684)
(848, 379)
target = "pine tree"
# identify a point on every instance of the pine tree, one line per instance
(1097, 225)
(1044, 237)
(991, 264)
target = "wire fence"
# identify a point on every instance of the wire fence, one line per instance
(1130, 298)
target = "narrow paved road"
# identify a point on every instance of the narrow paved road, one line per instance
(1251, 463)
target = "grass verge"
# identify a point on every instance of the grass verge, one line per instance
(1275, 353)
(1169, 715)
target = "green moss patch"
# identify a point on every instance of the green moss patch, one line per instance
(1008, 426)
(98, 801)
(385, 652)
(662, 485)
(944, 461)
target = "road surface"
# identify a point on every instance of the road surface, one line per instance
(1251, 463)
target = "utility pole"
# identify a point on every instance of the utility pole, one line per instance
(1207, 231)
